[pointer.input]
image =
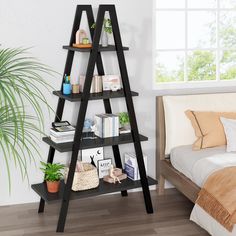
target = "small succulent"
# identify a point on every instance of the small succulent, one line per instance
(123, 118)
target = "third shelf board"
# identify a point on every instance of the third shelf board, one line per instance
(109, 48)
(93, 96)
(93, 143)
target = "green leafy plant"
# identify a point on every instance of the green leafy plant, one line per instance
(52, 171)
(123, 118)
(107, 26)
(22, 89)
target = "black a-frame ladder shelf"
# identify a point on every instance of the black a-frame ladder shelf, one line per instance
(95, 59)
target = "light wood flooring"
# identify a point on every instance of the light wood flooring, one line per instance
(109, 215)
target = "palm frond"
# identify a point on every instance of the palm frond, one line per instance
(21, 85)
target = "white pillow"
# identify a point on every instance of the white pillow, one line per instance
(230, 133)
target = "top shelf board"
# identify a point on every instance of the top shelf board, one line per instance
(101, 49)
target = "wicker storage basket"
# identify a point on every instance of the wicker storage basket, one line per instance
(86, 179)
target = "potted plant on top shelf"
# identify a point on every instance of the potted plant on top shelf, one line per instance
(53, 175)
(107, 29)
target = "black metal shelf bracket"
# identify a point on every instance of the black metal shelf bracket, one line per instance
(95, 59)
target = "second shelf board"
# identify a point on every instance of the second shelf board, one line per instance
(101, 49)
(103, 188)
(93, 96)
(93, 143)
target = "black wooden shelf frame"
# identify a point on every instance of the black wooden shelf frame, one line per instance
(95, 59)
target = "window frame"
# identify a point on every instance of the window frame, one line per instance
(191, 84)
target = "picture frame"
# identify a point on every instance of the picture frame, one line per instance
(104, 167)
(92, 155)
(111, 82)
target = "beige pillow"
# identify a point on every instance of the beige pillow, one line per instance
(208, 128)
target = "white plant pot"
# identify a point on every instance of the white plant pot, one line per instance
(104, 39)
(127, 126)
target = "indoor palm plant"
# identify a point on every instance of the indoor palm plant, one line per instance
(21, 90)
(52, 175)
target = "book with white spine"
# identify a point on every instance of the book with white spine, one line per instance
(62, 139)
(56, 133)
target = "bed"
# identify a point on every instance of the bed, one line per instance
(175, 158)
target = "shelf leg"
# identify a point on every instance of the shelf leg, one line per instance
(143, 178)
(107, 104)
(67, 70)
(80, 121)
(41, 206)
(70, 177)
(62, 217)
(130, 108)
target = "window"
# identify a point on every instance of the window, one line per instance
(195, 42)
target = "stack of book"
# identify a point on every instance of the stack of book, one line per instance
(107, 125)
(62, 136)
(96, 86)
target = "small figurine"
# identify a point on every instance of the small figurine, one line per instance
(80, 35)
(81, 40)
(113, 176)
(88, 123)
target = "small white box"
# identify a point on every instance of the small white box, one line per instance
(111, 81)
(131, 166)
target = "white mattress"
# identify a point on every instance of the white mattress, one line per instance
(197, 165)
(183, 158)
(201, 217)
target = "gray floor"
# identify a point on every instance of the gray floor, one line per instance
(105, 215)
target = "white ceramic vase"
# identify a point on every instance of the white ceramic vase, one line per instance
(104, 39)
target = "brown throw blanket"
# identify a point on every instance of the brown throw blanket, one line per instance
(218, 197)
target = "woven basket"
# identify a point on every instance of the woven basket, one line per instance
(86, 179)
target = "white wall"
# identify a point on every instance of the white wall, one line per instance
(46, 25)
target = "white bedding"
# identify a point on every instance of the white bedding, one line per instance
(183, 158)
(200, 217)
(198, 169)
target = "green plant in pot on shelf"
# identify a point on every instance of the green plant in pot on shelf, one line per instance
(124, 120)
(107, 29)
(22, 102)
(53, 175)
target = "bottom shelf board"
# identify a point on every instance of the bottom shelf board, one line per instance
(103, 188)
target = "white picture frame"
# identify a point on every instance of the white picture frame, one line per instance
(104, 167)
(111, 81)
(92, 155)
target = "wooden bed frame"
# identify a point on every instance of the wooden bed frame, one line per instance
(164, 170)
